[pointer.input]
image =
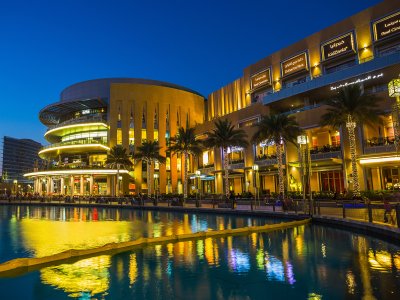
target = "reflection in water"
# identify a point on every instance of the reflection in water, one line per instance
(308, 262)
(264, 263)
(41, 231)
(85, 277)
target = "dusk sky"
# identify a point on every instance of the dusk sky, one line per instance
(203, 45)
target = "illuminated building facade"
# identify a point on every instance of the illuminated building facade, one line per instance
(363, 49)
(93, 116)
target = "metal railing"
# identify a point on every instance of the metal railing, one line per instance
(77, 142)
(84, 119)
(376, 213)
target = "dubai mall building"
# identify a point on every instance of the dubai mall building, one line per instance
(95, 115)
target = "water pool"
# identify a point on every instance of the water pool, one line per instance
(307, 262)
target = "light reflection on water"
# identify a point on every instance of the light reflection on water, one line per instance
(237, 268)
(307, 262)
(42, 231)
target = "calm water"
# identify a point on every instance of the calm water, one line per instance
(307, 262)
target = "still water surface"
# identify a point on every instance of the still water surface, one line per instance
(307, 262)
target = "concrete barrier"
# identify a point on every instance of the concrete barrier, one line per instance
(21, 265)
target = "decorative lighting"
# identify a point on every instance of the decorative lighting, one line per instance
(75, 172)
(394, 88)
(255, 167)
(351, 125)
(76, 125)
(394, 91)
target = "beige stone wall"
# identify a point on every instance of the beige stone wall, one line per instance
(139, 99)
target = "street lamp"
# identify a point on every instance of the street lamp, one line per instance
(394, 92)
(302, 140)
(255, 180)
(156, 176)
(198, 174)
(15, 181)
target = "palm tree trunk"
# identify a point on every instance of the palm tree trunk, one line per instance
(280, 169)
(185, 172)
(117, 193)
(226, 176)
(351, 125)
(148, 179)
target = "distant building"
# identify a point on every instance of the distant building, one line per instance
(19, 157)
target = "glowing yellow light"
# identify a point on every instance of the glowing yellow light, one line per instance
(74, 147)
(75, 125)
(133, 269)
(89, 275)
(72, 172)
(379, 159)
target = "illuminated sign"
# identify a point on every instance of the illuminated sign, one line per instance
(356, 81)
(294, 64)
(260, 79)
(341, 45)
(387, 27)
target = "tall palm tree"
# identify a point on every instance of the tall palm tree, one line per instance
(185, 143)
(349, 108)
(224, 136)
(280, 130)
(149, 152)
(118, 158)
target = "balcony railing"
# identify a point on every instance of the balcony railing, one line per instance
(87, 141)
(268, 160)
(80, 120)
(379, 145)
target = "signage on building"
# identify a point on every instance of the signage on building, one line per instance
(294, 64)
(261, 78)
(387, 27)
(356, 81)
(341, 45)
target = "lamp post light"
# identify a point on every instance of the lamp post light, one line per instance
(156, 176)
(255, 185)
(302, 140)
(198, 196)
(15, 181)
(394, 92)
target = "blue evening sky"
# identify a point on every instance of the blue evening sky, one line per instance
(203, 45)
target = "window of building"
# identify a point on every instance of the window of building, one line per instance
(331, 181)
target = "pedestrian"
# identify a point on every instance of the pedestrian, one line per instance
(387, 212)
(232, 199)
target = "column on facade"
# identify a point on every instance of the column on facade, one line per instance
(62, 189)
(51, 184)
(72, 185)
(91, 185)
(36, 185)
(48, 185)
(81, 186)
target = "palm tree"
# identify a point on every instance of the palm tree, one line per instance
(149, 152)
(185, 143)
(349, 108)
(118, 158)
(224, 136)
(280, 130)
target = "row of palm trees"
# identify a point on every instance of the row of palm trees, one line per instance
(349, 108)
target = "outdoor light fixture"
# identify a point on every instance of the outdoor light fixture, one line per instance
(255, 167)
(394, 91)
(394, 88)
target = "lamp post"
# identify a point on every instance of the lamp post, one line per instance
(302, 140)
(198, 173)
(155, 175)
(255, 180)
(394, 92)
(15, 181)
